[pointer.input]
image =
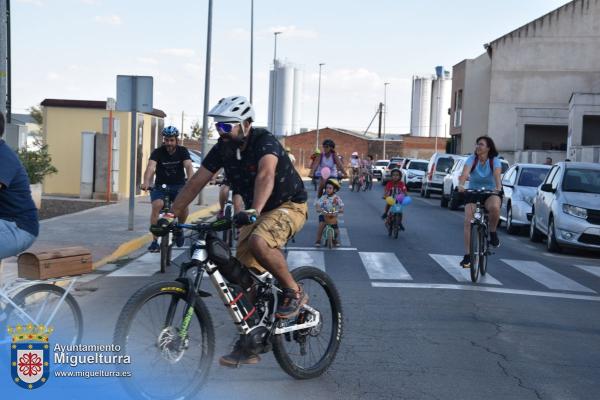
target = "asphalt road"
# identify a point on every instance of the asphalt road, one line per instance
(415, 327)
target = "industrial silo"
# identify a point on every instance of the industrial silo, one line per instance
(296, 111)
(440, 102)
(421, 106)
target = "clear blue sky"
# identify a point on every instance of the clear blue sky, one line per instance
(75, 48)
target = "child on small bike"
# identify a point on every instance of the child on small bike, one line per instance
(329, 206)
(392, 189)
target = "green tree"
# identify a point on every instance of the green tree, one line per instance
(38, 163)
(196, 130)
(37, 114)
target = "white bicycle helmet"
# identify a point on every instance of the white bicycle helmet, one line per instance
(234, 108)
(355, 154)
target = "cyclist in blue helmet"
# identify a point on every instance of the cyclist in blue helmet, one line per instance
(171, 163)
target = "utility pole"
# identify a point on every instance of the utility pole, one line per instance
(380, 117)
(182, 123)
(4, 58)
(385, 84)
(206, 89)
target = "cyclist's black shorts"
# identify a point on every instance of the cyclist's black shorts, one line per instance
(471, 198)
(159, 193)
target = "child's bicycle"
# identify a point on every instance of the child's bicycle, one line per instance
(393, 222)
(328, 236)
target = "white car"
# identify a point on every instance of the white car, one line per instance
(413, 173)
(520, 185)
(450, 197)
(379, 168)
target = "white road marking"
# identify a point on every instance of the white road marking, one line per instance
(591, 269)
(384, 266)
(483, 289)
(321, 248)
(451, 265)
(547, 277)
(297, 259)
(344, 238)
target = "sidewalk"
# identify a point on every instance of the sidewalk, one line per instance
(103, 230)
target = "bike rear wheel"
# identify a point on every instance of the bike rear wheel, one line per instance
(39, 302)
(308, 353)
(475, 252)
(148, 331)
(484, 253)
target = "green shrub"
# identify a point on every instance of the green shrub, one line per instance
(38, 164)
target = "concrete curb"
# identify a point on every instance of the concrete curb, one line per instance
(134, 244)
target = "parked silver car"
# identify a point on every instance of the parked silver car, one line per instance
(566, 208)
(379, 168)
(439, 166)
(413, 173)
(520, 185)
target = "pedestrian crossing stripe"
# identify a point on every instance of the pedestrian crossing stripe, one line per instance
(451, 264)
(547, 277)
(590, 269)
(382, 266)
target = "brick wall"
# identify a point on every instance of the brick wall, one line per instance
(303, 145)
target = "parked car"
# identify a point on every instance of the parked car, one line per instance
(566, 208)
(450, 196)
(413, 173)
(379, 167)
(439, 166)
(401, 161)
(387, 172)
(196, 159)
(520, 184)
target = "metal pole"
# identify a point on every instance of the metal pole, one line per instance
(182, 123)
(437, 122)
(109, 169)
(8, 69)
(251, 47)
(132, 151)
(3, 57)
(385, 84)
(206, 89)
(319, 103)
(274, 101)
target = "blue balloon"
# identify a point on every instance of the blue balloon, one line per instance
(406, 201)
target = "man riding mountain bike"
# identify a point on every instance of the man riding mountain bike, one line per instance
(483, 171)
(168, 162)
(258, 169)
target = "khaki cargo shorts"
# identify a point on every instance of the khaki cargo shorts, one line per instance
(276, 227)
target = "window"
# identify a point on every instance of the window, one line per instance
(417, 165)
(546, 137)
(551, 174)
(509, 177)
(458, 108)
(582, 180)
(444, 163)
(555, 179)
(532, 177)
(590, 135)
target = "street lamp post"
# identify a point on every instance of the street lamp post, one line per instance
(274, 97)
(385, 84)
(319, 102)
(251, 47)
(206, 88)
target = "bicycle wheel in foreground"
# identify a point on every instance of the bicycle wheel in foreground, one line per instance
(39, 302)
(165, 252)
(475, 252)
(163, 365)
(308, 353)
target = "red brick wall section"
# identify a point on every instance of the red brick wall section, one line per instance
(303, 145)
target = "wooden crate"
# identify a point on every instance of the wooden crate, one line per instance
(55, 263)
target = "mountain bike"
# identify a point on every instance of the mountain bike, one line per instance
(479, 247)
(329, 231)
(393, 221)
(166, 242)
(167, 329)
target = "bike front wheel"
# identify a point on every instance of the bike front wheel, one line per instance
(475, 251)
(308, 353)
(40, 302)
(165, 252)
(163, 364)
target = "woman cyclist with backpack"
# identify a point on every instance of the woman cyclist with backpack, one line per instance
(483, 169)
